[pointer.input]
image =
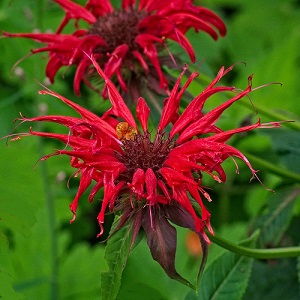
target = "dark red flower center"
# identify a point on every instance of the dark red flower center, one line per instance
(118, 28)
(142, 153)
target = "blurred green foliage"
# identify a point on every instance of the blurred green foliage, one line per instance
(43, 256)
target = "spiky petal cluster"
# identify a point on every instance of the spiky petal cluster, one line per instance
(125, 42)
(151, 179)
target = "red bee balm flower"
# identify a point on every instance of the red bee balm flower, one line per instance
(125, 42)
(151, 177)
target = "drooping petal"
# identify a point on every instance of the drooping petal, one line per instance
(205, 214)
(110, 193)
(185, 21)
(85, 181)
(95, 189)
(99, 7)
(115, 61)
(174, 177)
(141, 60)
(180, 38)
(74, 11)
(179, 194)
(146, 41)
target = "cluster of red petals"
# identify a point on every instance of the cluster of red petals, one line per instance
(162, 19)
(94, 144)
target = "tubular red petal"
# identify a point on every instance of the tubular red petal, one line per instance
(205, 214)
(115, 61)
(43, 37)
(142, 113)
(86, 114)
(203, 125)
(223, 137)
(180, 38)
(185, 21)
(194, 110)
(141, 60)
(84, 183)
(74, 11)
(151, 186)
(110, 193)
(128, 4)
(171, 106)
(138, 181)
(99, 7)
(95, 189)
(174, 177)
(146, 41)
(79, 74)
(119, 108)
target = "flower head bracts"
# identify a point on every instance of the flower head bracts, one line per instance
(126, 42)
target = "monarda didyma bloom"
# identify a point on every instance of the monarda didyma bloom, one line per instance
(151, 178)
(127, 43)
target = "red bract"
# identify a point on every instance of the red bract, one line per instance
(154, 178)
(126, 42)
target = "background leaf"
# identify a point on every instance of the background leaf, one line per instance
(276, 216)
(287, 145)
(275, 279)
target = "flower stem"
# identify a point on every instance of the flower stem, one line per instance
(49, 198)
(255, 253)
(275, 169)
(52, 231)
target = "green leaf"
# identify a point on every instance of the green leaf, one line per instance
(144, 292)
(80, 272)
(116, 254)
(227, 277)
(6, 289)
(276, 216)
(273, 279)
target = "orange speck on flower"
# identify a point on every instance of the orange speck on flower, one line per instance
(193, 244)
(15, 139)
(125, 132)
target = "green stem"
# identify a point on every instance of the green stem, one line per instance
(49, 197)
(275, 169)
(40, 10)
(256, 253)
(49, 201)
